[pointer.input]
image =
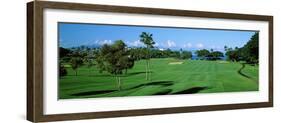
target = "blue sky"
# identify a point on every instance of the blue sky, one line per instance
(72, 35)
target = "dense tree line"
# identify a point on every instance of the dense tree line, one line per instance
(209, 55)
(140, 53)
(248, 53)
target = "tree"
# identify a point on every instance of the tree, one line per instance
(202, 53)
(62, 70)
(128, 62)
(114, 59)
(215, 55)
(186, 55)
(147, 39)
(76, 62)
(101, 57)
(63, 52)
(233, 55)
(89, 59)
(90, 64)
(137, 53)
(225, 48)
(250, 51)
(175, 54)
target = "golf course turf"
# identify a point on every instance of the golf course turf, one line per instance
(168, 76)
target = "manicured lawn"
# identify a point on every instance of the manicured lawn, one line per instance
(169, 76)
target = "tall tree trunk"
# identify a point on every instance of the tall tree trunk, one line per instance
(146, 70)
(149, 70)
(117, 81)
(119, 85)
(147, 58)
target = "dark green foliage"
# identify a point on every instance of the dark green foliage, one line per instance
(215, 55)
(137, 53)
(114, 59)
(202, 53)
(102, 56)
(175, 54)
(248, 53)
(147, 39)
(75, 63)
(155, 53)
(205, 54)
(128, 62)
(90, 64)
(89, 59)
(62, 70)
(141, 53)
(233, 55)
(186, 55)
(64, 52)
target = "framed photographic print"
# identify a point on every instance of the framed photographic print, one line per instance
(96, 61)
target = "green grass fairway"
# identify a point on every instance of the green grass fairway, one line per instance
(180, 77)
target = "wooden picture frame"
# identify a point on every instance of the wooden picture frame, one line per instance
(35, 59)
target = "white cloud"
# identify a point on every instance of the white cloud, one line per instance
(105, 42)
(188, 45)
(199, 45)
(156, 44)
(88, 42)
(170, 44)
(161, 49)
(97, 42)
(136, 43)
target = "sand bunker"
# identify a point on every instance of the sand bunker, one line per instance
(172, 63)
(223, 62)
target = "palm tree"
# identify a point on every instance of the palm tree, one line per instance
(147, 39)
(225, 48)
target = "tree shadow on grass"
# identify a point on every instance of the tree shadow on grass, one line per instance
(192, 90)
(92, 93)
(134, 73)
(93, 75)
(241, 73)
(162, 83)
(89, 93)
(163, 92)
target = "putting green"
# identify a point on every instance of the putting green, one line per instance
(191, 76)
